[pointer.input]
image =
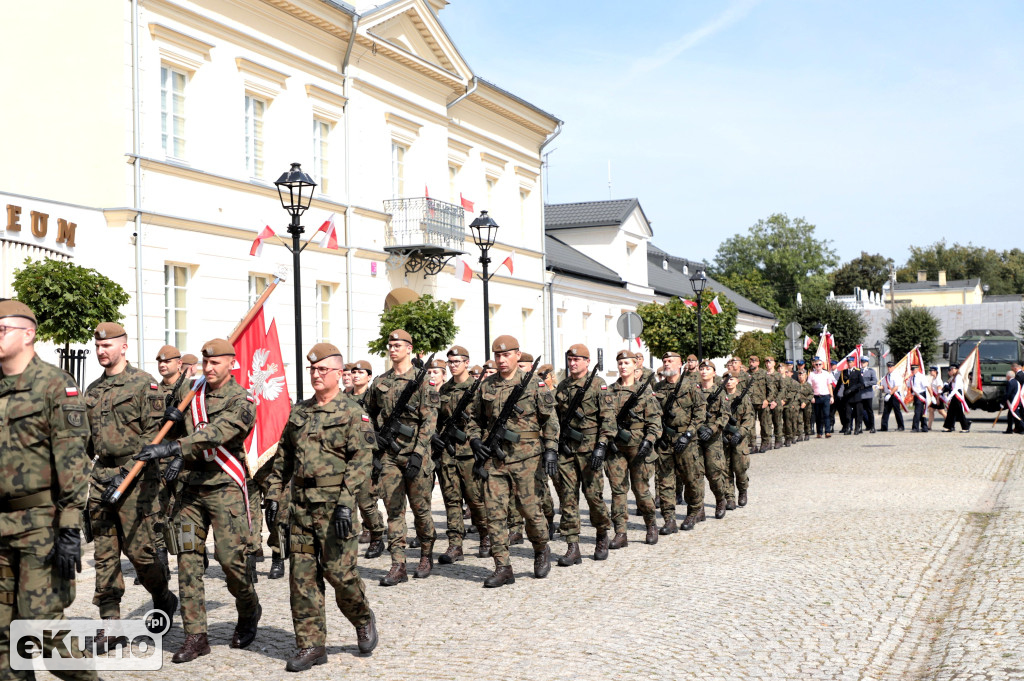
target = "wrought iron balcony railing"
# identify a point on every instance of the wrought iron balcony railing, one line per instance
(425, 224)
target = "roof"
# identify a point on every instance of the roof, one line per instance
(672, 282)
(564, 259)
(932, 286)
(520, 100)
(588, 213)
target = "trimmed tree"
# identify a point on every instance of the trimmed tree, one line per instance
(673, 327)
(912, 326)
(846, 325)
(430, 322)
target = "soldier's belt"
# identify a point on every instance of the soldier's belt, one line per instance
(42, 498)
(114, 461)
(319, 481)
(525, 435)
(204, 466)
(6, 571)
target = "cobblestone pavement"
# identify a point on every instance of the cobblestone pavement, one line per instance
(885, 556)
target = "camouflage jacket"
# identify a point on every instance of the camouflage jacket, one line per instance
(230, 416)
(44, 433)
(537, 425)
(772, 381)
(420, 417)
(686, 412)
(742, 379)
(451, 393)
(327, 448)
(806, 394)
(125, 411)
(598, 422)
(742, 411)
(644, 422)
(759, 389)
(717, 413)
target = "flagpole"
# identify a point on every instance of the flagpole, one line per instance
(183, 405)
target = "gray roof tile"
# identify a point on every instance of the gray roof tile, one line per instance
(588, 213)
(565, 259)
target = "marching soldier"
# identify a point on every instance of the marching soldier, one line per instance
(774, 383)
(708, 440)
(125, 410)
(511, 467)
(632, 446)
(190, 365)
(761, 396)
(44, 432)
(369, 493)
(738, 435)
(169, 366)
(409, 473)
(582, 452)
(212, 452)
(794, 416)
(327, 446)
(682, 467)
(806, 406)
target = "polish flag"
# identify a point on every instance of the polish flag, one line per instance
(330, 237)
(808, 341)
(638, 343)
(689, 303)
(507, 262)
(714, 306)
(851, 361)
(466, 203)
(463, 270)
(257, 246)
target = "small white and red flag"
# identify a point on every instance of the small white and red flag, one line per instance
(507, 262)
(330, 238)
(808, 341)
(466, 203)
(257, 246)
(689, 303)
(463, 271)
(715, 306)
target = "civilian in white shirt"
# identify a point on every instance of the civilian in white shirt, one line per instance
(955, 412)
(821, 383)
(935, 390)
(919, 386)
(891, 399)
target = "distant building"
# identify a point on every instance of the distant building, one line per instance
(925, 293)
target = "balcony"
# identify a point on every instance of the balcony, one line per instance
(424, 233)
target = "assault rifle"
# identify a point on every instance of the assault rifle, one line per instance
(668, 434)
(572, 411)
(392, 427)
(448, 432)
(733, 428)
(498, 433)
(625, 416)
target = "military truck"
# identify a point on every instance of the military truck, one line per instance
(998, 350)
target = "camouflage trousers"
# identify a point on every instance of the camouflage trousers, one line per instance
(514, 483)
(394, 490)
(763, 417)
(666, 477)
(515, 519)
(452, 478)
(691, 461)
(793, 420)
(314, 548)
(255, 547)
(625, 469)
(222, 508)
(716, 469)
(131, 527)
(369, 510)
(779, 422)
(574, 472)
(30, 590)
(738, 462)
(808, 418)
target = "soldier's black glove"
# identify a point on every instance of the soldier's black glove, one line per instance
(173, 469)
(645, 449)
(172, 414)
(66, 554)
(112, 485)
(732, 421)
(413, 469)
(480, 451)
(271, 513)
(704, 433)
(731, 429)
(681, 442)
(437, 445)
(737, 439)
(551, 462)
(161, 450)
(342, 519)
(597, 457)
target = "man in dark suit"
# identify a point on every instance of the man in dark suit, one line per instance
(867, 394)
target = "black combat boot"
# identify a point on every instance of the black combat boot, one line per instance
(396, 575)
(276, 567)
(245, 630)
(375, 549)
(669, 527)
(572, 555)
(542, 562)
(306, 658)
(601, 547)
(501, 576)
(195, 645)
(366, 635)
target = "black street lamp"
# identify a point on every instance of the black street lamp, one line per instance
(296, 191)
(484, 232)
(698, 281)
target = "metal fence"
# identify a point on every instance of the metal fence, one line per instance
(424, 222)
(73, 362)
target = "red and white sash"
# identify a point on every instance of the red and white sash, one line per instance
(228, 463)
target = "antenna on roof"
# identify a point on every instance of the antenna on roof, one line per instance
(547, 175)
(609, 179)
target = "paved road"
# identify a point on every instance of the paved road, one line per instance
(886, 556)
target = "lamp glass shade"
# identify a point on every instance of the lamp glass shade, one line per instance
(485, 231)
(295, 188)
(698, 281)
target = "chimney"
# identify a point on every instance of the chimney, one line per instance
(922, 275)
(942, 277)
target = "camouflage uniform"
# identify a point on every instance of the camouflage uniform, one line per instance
(686, 467)
(420, 419)
(166, 392)
(738, 456)
(456, 471)
(125, 411)
(625, 468)
(209, 498)
(807, 397)
(597, 425)
(716, 418)
(515, 478)
(328, 449)
(759, 392)
(778, 419)
(368, 494)
(793, 418)
(43, 477)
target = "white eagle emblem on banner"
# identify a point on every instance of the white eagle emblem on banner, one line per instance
(262, 383)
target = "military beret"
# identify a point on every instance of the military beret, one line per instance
(476, 369)
(108, 330)
(322, 351)
(732, 377)
(348, 367)
(458, 351)
(671, 354)
(362, 365)
(889, 364)
(625, 354)
(400, 335)
(693, 357)
(545, 369)
(578, 350)
(705, 363)
(489, 364)
(15, 308)
(504, 344)
(438, 364)
(218, 347)
(189, 360)
(754, 357)
(526, 357)
(168, 352)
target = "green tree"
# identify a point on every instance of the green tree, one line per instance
(755, 288)
(759, 343)
(912, 326)
(430, 322)
(69, 300)
(673, 327)
(786, 255)
(846, 325)
(964, 262)
(867, 272)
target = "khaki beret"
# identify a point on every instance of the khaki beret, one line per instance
(362, 365)
(476, 369)
(348, 367)
(189, 360)
(322, 351)
(167, 352)
(15, 308)
(504, 344)
(705, 363)
(578, 350)
(438, 364)
(400, 335)
(733, 377)
(108, 330)
(754, 357)
(218, 347)
(458, 351)
(526, 357)
(693, 357)
(625, 354)
(545, 369)
(489, 364)
(671, 354)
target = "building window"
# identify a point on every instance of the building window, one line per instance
(172, 111)
(258, 283)
(523, 196)
(254, 109)
(321, 131)
(175, 308)
(490, 193)
(397, 170)
(586, 320)
(323, 312)
(558, 318)
(453, 174)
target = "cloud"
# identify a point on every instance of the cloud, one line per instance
(669, 51)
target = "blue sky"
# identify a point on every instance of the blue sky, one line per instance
(886, 124)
